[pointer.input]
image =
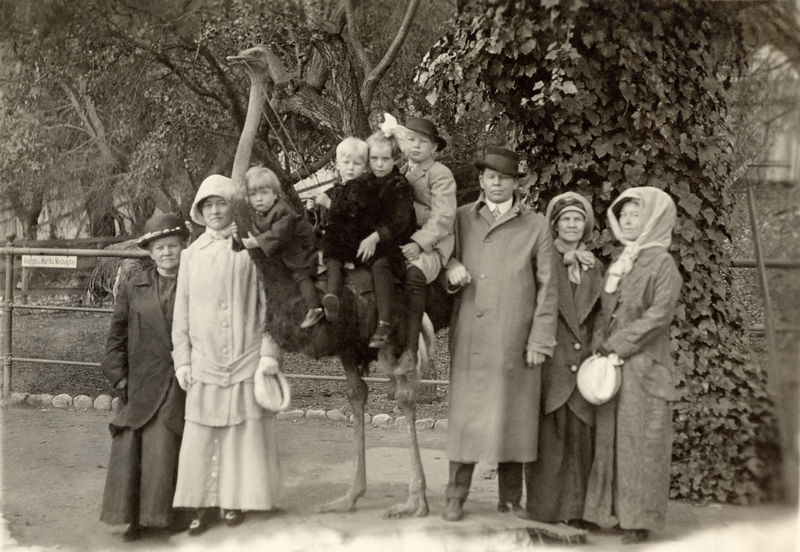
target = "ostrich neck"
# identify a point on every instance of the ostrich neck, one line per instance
(246, 140)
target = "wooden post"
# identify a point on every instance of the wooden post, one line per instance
(8, 299)
(777, 379)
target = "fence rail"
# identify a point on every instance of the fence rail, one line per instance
(10, 251)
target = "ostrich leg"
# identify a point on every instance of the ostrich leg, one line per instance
(417, 504)
(357, 392)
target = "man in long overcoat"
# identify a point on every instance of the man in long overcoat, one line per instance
(504, 325)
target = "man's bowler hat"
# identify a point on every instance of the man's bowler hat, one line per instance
(500, 159)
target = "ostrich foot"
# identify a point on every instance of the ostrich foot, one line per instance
(347, 503)
(415, 506)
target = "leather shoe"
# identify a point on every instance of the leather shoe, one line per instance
(454, 510)
(232, 518)
(200, 524)
(634, 536)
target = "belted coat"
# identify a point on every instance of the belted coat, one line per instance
(139, 347)
(509, 307)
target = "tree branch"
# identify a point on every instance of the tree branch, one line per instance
(355, 42)
(373, 78)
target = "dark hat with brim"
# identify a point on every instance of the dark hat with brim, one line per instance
(501, 160)
(417, 124)
(162, 226)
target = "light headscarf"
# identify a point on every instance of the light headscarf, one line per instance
(580, 258)
(658, 214)
(214, 185)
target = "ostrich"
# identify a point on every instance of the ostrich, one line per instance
(348, 337)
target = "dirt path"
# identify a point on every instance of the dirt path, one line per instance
(54, 466)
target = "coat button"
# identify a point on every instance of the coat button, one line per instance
(225, 325)
(574, 368)
(478, 314)
(577, 346)
(483, 276)
(488, 240)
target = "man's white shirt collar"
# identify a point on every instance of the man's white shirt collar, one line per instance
(503, 207)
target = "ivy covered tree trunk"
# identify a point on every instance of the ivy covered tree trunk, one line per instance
(608, 95)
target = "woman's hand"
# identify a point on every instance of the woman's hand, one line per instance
(250, 242)
(184, 376)
(122, 390)
(366, 249)
(269, 365)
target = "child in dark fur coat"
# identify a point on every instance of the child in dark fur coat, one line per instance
(369, 217)
(281, 231)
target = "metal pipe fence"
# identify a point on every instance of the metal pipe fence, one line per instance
(10, 252)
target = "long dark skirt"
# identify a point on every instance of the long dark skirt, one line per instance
(561, 472)
(142, 471)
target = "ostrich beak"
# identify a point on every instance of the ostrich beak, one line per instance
(237, 60)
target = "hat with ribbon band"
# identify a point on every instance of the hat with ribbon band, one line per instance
(161, 226)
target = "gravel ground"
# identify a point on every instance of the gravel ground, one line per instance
(78, 336)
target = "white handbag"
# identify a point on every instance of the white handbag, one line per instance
(599, 378)
(272, 392)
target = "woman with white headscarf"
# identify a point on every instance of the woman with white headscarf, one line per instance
(630, 478)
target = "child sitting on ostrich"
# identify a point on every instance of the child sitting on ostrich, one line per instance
(431, 245)
(281, 231)
(367, 220)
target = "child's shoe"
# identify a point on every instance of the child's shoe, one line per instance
(330, 303)
(381, 336)
(313, 316)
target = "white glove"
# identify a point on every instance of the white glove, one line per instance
(184, 375)
(268, 365)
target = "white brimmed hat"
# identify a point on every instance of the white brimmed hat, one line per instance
(272, 391)
(599, 378)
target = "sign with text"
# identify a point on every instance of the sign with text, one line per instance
(50, 261)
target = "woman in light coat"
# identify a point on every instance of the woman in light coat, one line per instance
(229, 458)
(629, 483)
(566, 428)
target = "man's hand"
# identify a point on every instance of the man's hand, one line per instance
(268, 365)
(366, 249)
(411, 250)
(184, 376)
(534, 358)
(122, 390)
(458, 276)
(311, 204)
(250, 241)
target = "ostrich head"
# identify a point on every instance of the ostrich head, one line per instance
(263, 62)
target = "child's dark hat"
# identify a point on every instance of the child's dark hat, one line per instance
(417, 124)
(161, 226)
(501, 160)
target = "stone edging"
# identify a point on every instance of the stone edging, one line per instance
(105, 403)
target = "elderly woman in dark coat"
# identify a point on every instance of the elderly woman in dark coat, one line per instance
(629, 482)
(146, 432)
(566, 428)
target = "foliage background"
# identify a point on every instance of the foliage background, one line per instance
(607, 95)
